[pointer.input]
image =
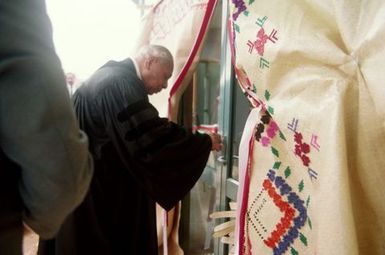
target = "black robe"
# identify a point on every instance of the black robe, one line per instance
(139, 159)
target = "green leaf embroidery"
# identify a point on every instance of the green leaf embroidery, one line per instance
(307, 201)
(287, 172)
(277, 165)
(303, 239)
(293, 251)
(236, 27)
(301, 186)
(267, 95)
(271, 110)
(275, 152)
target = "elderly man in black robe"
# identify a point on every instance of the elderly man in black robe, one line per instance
(140, 159)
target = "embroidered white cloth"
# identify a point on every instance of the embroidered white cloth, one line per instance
(181, 27)
(314, 181)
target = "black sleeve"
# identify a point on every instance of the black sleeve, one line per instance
(162, 156)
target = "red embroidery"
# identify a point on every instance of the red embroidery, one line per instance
(305, 148)
(298, 150)
(286, 219)
(305, 160)
(301, 149)
(261, 41)
(298, 137)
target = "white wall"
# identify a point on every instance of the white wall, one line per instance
(88, 33)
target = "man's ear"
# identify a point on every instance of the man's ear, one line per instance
(148, 62)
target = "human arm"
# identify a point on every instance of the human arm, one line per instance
(165, 159)
(38, 129)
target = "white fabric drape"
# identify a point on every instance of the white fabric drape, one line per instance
(316, 71)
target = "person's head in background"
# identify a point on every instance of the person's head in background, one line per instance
(70, 78)
(155, 65)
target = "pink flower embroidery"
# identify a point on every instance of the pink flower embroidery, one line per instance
(261, 41)
(265, 141)
(272, 130)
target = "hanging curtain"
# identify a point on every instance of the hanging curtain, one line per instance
(312, 165)
(179, 25)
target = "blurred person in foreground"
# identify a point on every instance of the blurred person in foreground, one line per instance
(45, 167)
(140, 159)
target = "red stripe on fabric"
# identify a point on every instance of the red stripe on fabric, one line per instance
(241, 204)
(206, 20)
(231, 40)
(245, 198)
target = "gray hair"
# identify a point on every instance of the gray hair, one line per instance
(157, 51)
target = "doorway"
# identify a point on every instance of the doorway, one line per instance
(218, 104)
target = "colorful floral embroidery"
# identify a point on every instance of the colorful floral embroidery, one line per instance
(240, 6)
(294, 214)
(301, 149)
(270, 126)
(283, 186)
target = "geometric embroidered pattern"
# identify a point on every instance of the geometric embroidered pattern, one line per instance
(276, 193)
(286, 232)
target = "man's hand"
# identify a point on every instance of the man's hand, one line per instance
(216, 141)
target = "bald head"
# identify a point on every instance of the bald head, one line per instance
(156, 66)
(155, 51)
